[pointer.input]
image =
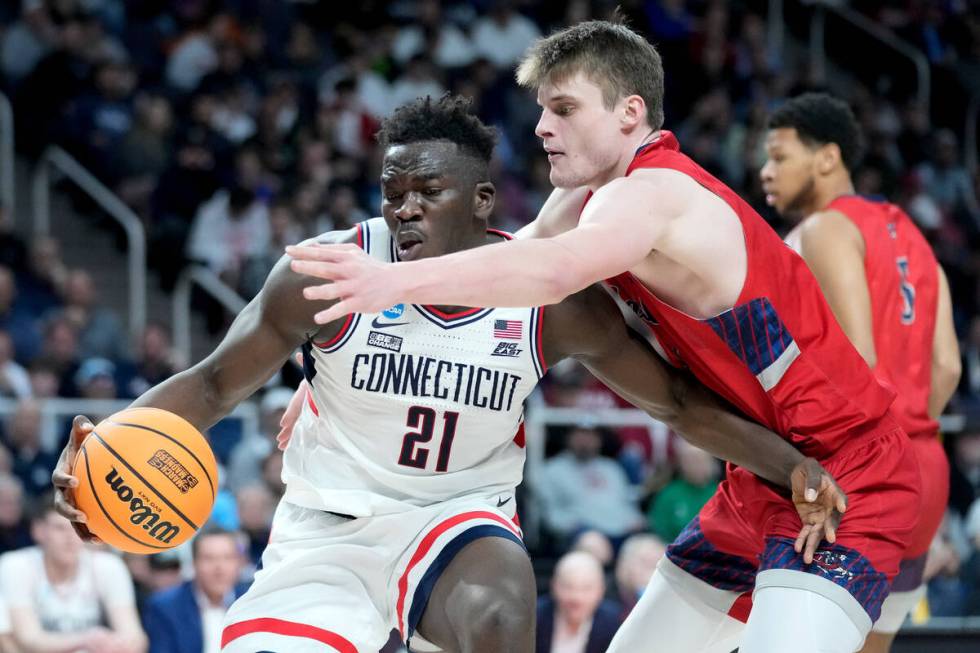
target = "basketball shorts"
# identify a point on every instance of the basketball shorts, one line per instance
(934, 470)
(742, 540)
(331, 583)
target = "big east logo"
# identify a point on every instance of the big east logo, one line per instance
(143, 514)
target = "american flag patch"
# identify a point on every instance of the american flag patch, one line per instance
(508, 329)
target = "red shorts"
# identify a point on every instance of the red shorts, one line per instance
(749, 526)
(934, 470)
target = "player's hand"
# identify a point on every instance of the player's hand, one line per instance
(65, 483)
(361, 284)
(291, 415)
(821, 504)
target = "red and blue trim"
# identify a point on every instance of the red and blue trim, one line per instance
(426, 545)
(352, 320)
(445, 320)
(287, 629)
(428, 583)
(536, 340)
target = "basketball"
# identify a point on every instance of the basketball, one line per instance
(146, 480)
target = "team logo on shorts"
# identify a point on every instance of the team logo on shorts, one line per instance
(385, 341)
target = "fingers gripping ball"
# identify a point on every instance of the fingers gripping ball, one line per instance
(146, 480)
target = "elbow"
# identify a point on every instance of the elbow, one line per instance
(947, 372)
(558, 283)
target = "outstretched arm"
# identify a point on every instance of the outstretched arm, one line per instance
(618, 228)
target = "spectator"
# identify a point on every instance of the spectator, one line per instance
(969, 389)
(504, 35)
(14, 380)
(680, 501)
(575, 618)
(272, 474)
(144, 153)
(63, 596)
(156, 361)
(255, 508)
(637, 561)
(964, 485)
(15, 531)
(431, 34)
(100, 333)
(40, 287)
(342, 210)
(19, 325)
(245, 465)
(187, 618)
(59, 354)
(581, 490)
(949, 183)
(418, 80)
(96, 379)
(283, 230)
(237, 220)
(32, 464)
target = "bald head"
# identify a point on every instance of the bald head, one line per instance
(577, 586)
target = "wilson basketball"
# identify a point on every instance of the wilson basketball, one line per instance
(146, 480)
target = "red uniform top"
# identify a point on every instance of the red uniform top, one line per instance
(779, 354)
(903, 281)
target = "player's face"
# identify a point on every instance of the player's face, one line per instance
(582, 137)
(429, 200)
(788, 176)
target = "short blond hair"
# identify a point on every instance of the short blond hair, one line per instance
(611, 55)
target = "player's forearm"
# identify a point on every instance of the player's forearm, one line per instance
(706, 424)
(517, 273)
(192, 395)
(945, 378)
(44, 642)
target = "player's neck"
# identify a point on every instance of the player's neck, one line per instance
(833, 187)
(633, 143)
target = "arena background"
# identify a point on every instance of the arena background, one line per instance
(132, 133)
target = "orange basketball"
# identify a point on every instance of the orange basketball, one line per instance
(146, 480)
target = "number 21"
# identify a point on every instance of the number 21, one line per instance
(423, 419)
(907, 290)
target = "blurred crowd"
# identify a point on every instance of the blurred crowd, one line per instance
(250, 123)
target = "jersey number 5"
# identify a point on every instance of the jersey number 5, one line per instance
(424, 419)
(908, 291)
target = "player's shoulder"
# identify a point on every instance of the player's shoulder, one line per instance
(336, 237)
(830, 223)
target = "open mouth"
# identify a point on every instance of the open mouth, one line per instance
(408, 246)
(770, 199)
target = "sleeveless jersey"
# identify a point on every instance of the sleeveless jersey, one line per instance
(903, 281)
(778, 354)
(413, 406)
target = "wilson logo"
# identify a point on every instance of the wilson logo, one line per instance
(143, 514)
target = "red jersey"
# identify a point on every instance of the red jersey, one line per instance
(903, 281)
(778, 354)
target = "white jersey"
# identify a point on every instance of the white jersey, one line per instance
(413, 406)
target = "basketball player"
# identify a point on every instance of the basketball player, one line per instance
(889, 295)
(728, 300)
(399, 508)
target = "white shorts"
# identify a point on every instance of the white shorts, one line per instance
(330, 583)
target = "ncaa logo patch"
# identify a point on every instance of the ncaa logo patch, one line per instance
(394, 312)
